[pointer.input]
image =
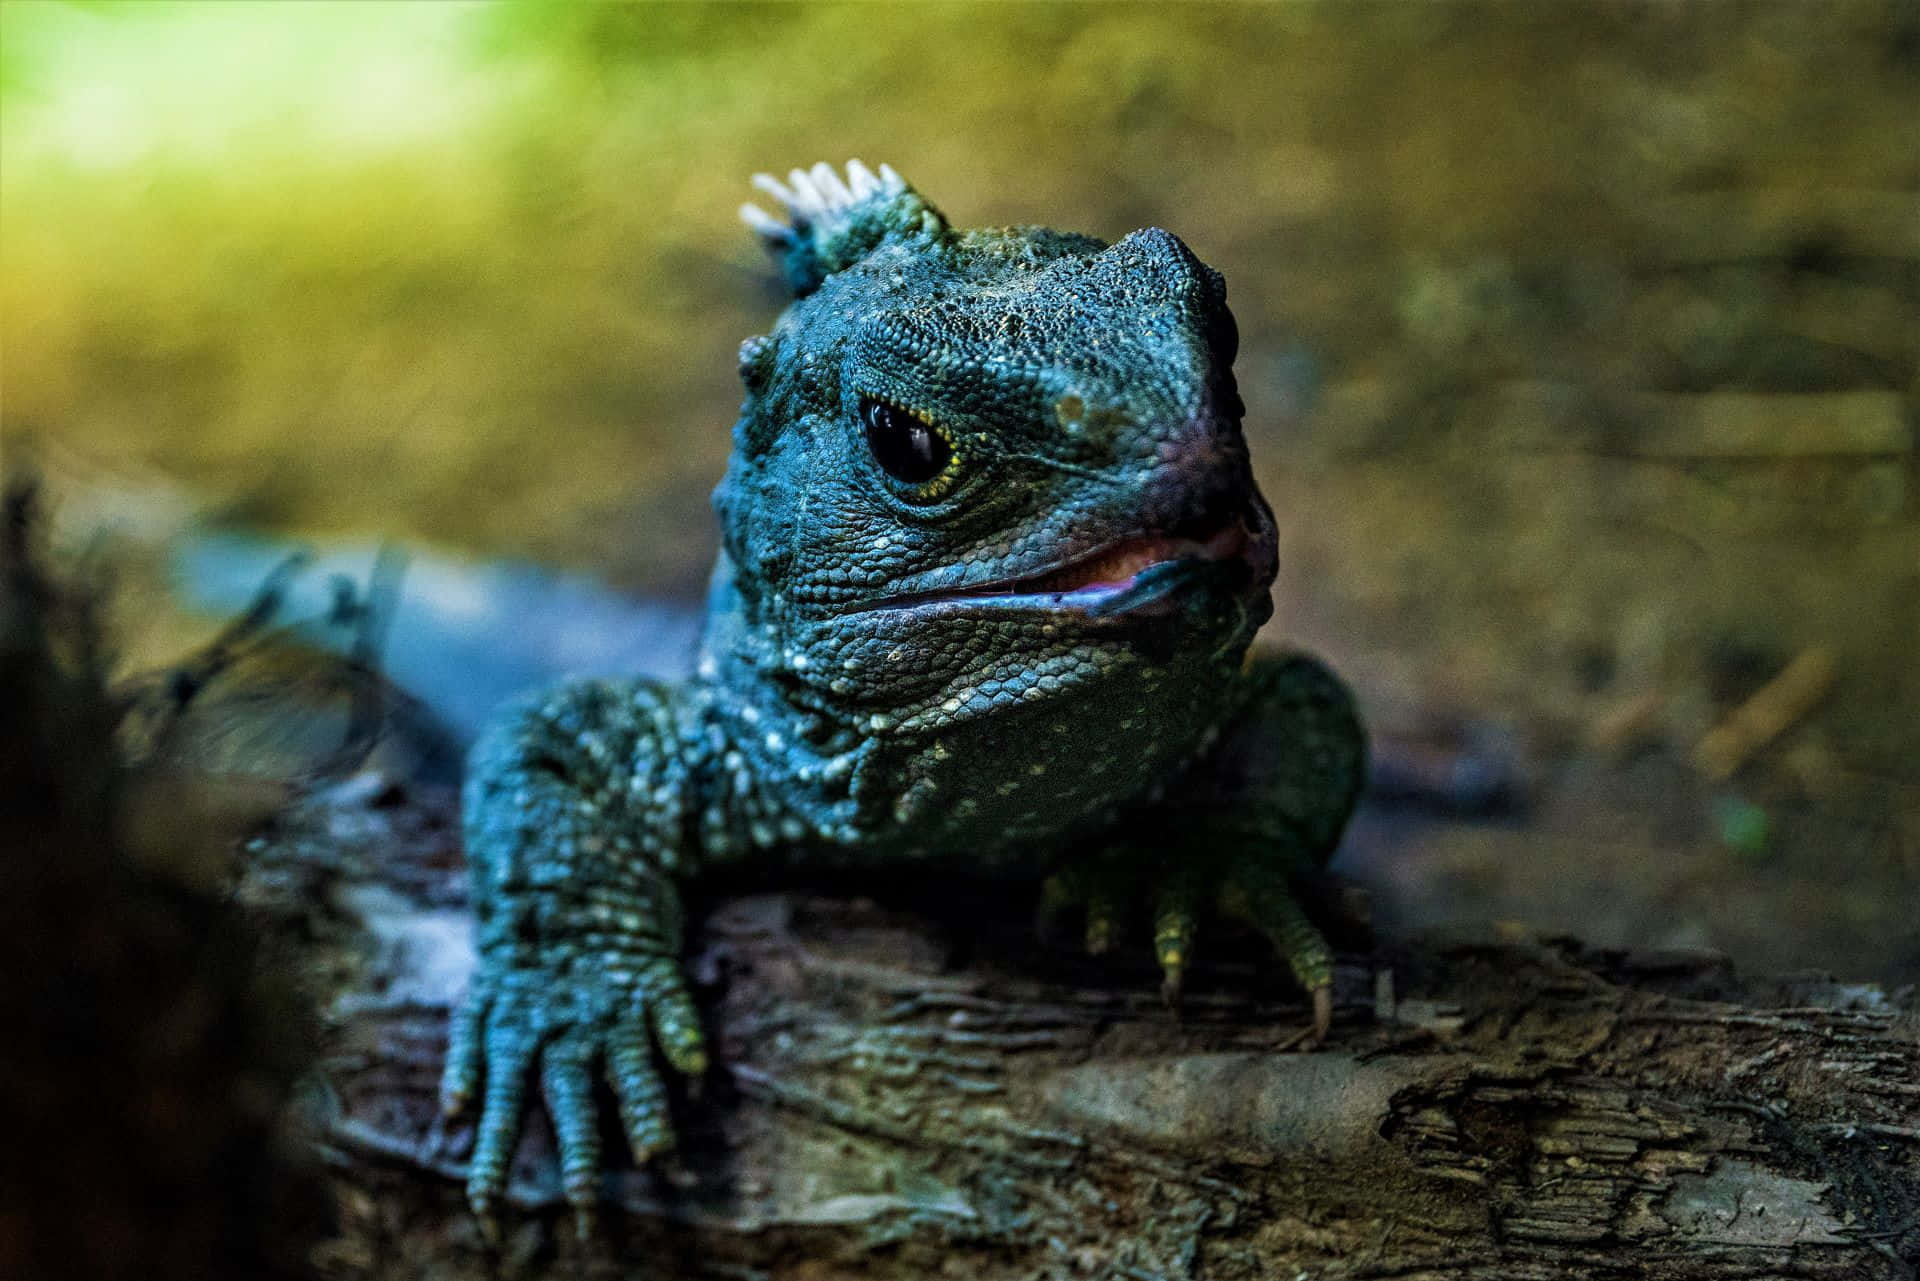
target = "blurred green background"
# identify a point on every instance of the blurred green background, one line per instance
(1580, 342)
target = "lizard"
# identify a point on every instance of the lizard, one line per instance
(992, 561)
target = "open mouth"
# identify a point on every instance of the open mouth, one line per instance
(1135, 576)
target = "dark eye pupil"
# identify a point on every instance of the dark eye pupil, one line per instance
(906, 448)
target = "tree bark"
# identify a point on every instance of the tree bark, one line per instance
(930, 1091)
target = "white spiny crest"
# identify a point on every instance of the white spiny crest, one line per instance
(818, 198)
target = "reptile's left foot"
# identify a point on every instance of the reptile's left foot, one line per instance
(1104, 887)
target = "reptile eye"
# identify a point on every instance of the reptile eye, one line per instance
(907, 448)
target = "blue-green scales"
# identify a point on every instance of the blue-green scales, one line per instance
(993, 558)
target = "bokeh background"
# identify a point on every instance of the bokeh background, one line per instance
(1580, 342)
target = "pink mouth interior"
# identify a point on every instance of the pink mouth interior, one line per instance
(1086, 583)
(1117, 566)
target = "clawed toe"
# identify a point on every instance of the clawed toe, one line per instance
(1104, 887)
(1322, 1015)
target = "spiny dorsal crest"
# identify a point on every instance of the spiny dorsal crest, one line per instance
(833, 223)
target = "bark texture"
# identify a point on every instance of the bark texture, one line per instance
(928, 1091)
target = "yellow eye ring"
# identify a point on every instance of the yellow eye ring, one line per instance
(910, 449)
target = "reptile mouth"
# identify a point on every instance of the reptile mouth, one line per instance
(1134, 576)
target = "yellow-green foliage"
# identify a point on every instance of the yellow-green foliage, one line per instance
(471, 271)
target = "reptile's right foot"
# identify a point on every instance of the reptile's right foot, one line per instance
(526, 1017)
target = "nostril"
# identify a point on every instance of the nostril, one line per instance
(1201, 445)
(1205, 457)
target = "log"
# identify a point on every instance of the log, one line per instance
(913, 1087)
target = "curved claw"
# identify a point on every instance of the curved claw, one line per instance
(461, 1076)
(1103, 889)
(569, 1092)
(1174, 924)
(637, 1087)
(1267, 902)
(1314, 1035)
(510, 1046)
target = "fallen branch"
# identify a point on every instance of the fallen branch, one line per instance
(904, 1095)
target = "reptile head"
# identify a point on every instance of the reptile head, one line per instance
(976, 469)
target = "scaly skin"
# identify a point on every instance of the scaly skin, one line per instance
(993, 559)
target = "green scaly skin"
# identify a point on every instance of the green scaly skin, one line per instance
(1027, 640)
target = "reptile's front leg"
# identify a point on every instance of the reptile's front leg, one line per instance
(574, 814)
